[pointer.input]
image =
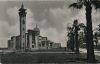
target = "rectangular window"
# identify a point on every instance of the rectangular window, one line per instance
(23, 21)
(43, 43)
(32, 46)
(23, 29)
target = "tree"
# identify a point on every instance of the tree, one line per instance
(76, 28)
(70, 42)
(82, 34)
(98, 28)
(81, 25)
(89, 34)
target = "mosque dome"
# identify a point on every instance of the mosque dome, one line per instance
(36, 29)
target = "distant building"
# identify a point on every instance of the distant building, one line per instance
(10, 44)
(32, 40)
(57, 45)
(13, 39)
(18, 44)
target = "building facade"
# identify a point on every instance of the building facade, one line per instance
(30, 40)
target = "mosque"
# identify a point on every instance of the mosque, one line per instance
(30, 40)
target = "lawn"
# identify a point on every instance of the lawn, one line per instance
(28, 58)
(42, 58)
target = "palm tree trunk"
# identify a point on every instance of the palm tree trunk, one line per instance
(85, 34)
(89, 36)
(72, 42)
(76, 39)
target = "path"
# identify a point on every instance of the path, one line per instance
(85, 51)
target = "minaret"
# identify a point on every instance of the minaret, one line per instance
(22, 16)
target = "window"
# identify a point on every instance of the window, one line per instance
(23, 22)
(43, 43)
(32, 46)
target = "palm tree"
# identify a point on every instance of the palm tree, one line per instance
(70, 42)
(83, 34)
(88, 4)
(76, 28)
(81, 25)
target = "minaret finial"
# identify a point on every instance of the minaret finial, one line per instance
(22, 5)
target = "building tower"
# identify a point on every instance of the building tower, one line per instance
(22, 16)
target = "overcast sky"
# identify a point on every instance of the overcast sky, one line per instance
(52, 17)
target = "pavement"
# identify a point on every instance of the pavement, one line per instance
(39, 52)
(85, 51)
(82, 50)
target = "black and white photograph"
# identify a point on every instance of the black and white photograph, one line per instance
(49, 31)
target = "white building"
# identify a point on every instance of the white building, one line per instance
(34, 41)
(30, 41)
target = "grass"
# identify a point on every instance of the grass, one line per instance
(42, 58)
(28, 58)
(61, 49)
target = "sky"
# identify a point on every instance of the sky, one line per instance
(51, 16)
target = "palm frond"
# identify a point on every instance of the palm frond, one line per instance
(96, 3)
(76, 5)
